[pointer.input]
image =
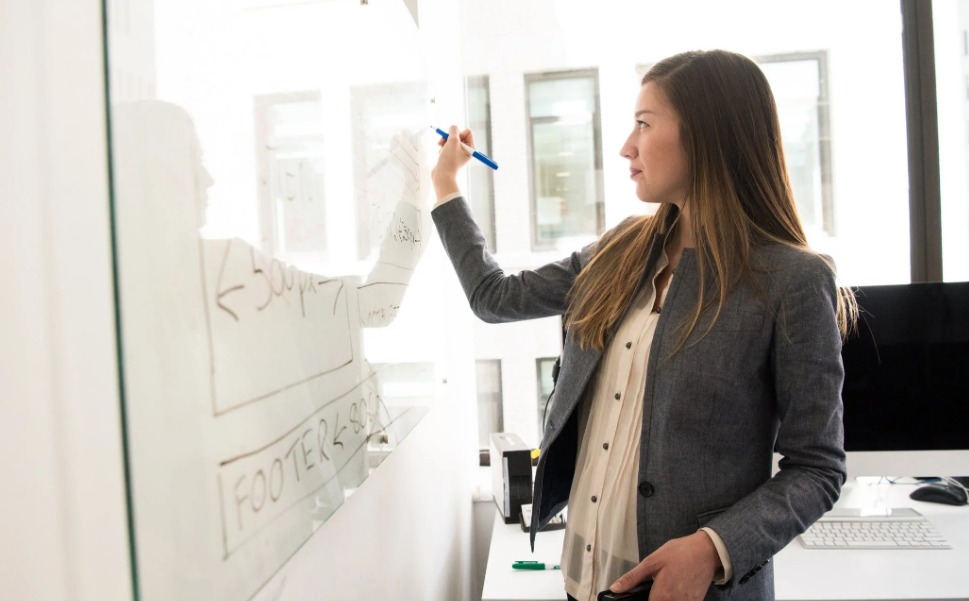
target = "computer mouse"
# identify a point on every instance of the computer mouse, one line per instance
(939, 493)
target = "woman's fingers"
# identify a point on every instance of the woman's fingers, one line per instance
(465, 136)
(468, 138)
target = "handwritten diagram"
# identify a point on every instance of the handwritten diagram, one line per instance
(271, 326)
(253, 409)
(257, 487)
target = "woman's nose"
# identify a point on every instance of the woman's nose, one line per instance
(628, 150)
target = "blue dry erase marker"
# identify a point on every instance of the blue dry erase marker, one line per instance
(533, 565)
(478, 155)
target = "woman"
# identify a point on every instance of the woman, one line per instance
(699, 340)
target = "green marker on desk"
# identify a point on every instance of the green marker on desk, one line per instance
(533, 565)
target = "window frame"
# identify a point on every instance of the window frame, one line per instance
(600, 217)
(490, 233)
(922, 125)
(484, 453)
(542, 399)
(828, 222)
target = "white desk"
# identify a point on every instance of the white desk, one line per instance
(800, 574)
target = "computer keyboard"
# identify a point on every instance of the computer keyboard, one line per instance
(901, 528)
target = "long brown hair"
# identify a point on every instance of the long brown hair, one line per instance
(739, 195)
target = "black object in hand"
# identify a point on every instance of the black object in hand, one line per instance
(640, 592)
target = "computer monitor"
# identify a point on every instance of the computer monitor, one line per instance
(906, 389)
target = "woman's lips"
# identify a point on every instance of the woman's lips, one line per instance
(633, 173)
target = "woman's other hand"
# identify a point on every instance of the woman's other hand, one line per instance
(444, 176)
(682, 570)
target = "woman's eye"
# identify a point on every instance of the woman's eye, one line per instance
(641, 124)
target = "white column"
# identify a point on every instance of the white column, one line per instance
(62, 510)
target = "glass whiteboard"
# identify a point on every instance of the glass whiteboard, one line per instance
(269, 203)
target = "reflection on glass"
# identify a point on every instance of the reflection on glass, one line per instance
(255, 404)
(289, 143)
(566, 163)
(490, 413)
(379, 112)
(951, 34)
(405, 390)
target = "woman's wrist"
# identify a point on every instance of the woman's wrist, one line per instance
(711, 554)
(446, 191)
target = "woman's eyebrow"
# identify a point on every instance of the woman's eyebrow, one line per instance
(638, 113)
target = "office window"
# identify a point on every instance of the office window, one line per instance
(379, 112)
(566, 158)
(799, 83)
(543, 372)
(289, 149)
(951, 75)
(481, 182)
(490, 415)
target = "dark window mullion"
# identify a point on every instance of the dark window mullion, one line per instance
(921, 110)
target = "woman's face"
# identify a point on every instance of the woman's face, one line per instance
(657, 160)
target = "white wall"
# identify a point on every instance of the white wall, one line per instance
(62, 513)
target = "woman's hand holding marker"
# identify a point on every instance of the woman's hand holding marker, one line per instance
(444, 176)
(456, 150)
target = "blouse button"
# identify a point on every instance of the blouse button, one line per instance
(605, 446)
(629, 345)
(617, 396)
(594, 498)
(588, 547)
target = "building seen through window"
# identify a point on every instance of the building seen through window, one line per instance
(566, 159)
(488, 380)
(543, 376)
(481, 182)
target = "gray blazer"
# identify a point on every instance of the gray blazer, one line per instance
(765, 378)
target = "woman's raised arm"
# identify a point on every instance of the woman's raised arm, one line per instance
(496, 297)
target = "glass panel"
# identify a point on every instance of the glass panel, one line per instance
(481, 182)
(380, 113)
(268, 364)
(951, 24)
(490, 412)
(545, 385)
(290, 148)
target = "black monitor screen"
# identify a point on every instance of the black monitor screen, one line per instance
(907, 370)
